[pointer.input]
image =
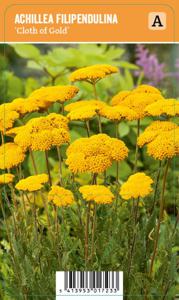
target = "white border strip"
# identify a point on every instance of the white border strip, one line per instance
(98, 42)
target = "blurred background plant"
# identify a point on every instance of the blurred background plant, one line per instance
(25, 67)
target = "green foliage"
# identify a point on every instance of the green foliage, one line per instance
(14, 85)
(56, 64)
(26, 51)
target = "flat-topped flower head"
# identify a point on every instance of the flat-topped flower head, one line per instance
(6, 178)
(153, 130)
(99, 194)
(26, 105)
(97, 163)
(83, 113)
(139, 101)
(161, 138)
(161, 126)
(38, 104)
(94, 104)
(51, 121)
(55, 93)
(11, 155)
(118, 149)
(137, 185)
(168, 107)
(117, 113)
(14, 131)
(7, 117)
(148, 89)
(95, 154)
(165, 145)
(76, 162)
(119, 97)
(44, 132)
(32, 183)
(60, 197)
(93, 73)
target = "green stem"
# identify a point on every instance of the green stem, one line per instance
(117, 172)
(79, 213)
(60, 165)
(99, 124)
(95, 91)
(117, 130)
(176, 223)
(62, 108)
(10, 240)
(93, 232)
(94, 181)
(48, 167)
(135, 209)
(24, 206)
(56, 231)
(33, 161)
(137, 147)
(12, 212)
(94, 178)
(5, 218)
(2, 138)
(87, 232)
(46, 210)
(105, 177)
(73, 177)
(56, 220)
(160, 218)
(13, 196)
(117, 163)
(87, 127)
(156, 186)
(35, 216)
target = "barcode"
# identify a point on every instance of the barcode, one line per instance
(91, 280)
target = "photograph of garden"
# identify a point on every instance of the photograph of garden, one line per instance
(88, 166)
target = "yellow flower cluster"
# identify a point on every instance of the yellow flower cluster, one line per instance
(24, 106)
(44, 132)
(13, 131)
(95, 104)
(41, 99)
(137, 185)
(162, 139)
(117, 113)
(165, 145)
(83, 110)
(55, 93)
(6, 178)
(153, 130)
(144, 88)
(161, 126)
(32, 183)
(95, 154)
(169, 107)
(93, 73)
(7, 116)
(60, 196)
(138, 99)
(11, 155)
(84, 113)
(100, 194)
(119, 97)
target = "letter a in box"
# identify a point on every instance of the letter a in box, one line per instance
(157, 21)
